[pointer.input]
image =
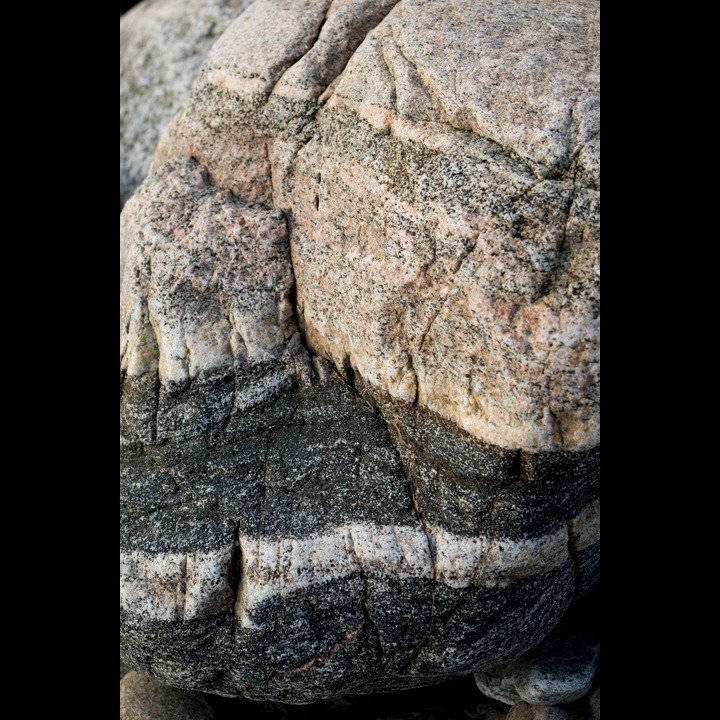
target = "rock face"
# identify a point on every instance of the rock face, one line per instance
(359, 372)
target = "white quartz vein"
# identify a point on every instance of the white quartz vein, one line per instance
(154, 585)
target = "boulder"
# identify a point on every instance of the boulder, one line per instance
(359, 338)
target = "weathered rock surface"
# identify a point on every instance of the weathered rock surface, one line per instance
(560, 670)
(359, 350)
(162, 46)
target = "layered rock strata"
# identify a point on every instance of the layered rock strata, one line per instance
(359, 350)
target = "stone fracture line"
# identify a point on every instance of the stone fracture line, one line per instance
(186, 586)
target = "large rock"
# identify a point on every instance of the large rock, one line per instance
(162, 46)
(359, 350)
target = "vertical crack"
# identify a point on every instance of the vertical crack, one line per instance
(236, 564)
(440, 304)
(573, 193)
(294, 60)
(369, 620)
(293, 292)
(406, 457)
(183, 587)
(573, 556)
(156, 415)
(235, 580)
(231, 410)
(409, 463)
(392, 75)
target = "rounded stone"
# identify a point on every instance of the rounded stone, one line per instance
(162, 46)
(560, 670)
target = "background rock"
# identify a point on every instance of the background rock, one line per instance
(143, 698)
(162, 45)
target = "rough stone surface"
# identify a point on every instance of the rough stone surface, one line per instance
(162, 46)
(525, 711)
(443, 190)
(560, 670)
(359, 385)
(144, 698)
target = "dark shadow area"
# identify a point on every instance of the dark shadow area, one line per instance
(125, 5)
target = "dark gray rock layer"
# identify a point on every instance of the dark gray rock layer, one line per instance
(310, 471)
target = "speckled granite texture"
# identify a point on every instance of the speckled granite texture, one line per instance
(359, 349)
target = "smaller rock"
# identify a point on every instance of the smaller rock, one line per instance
(560, 670)
(144, 698)
(525, 711)
(488, 711)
